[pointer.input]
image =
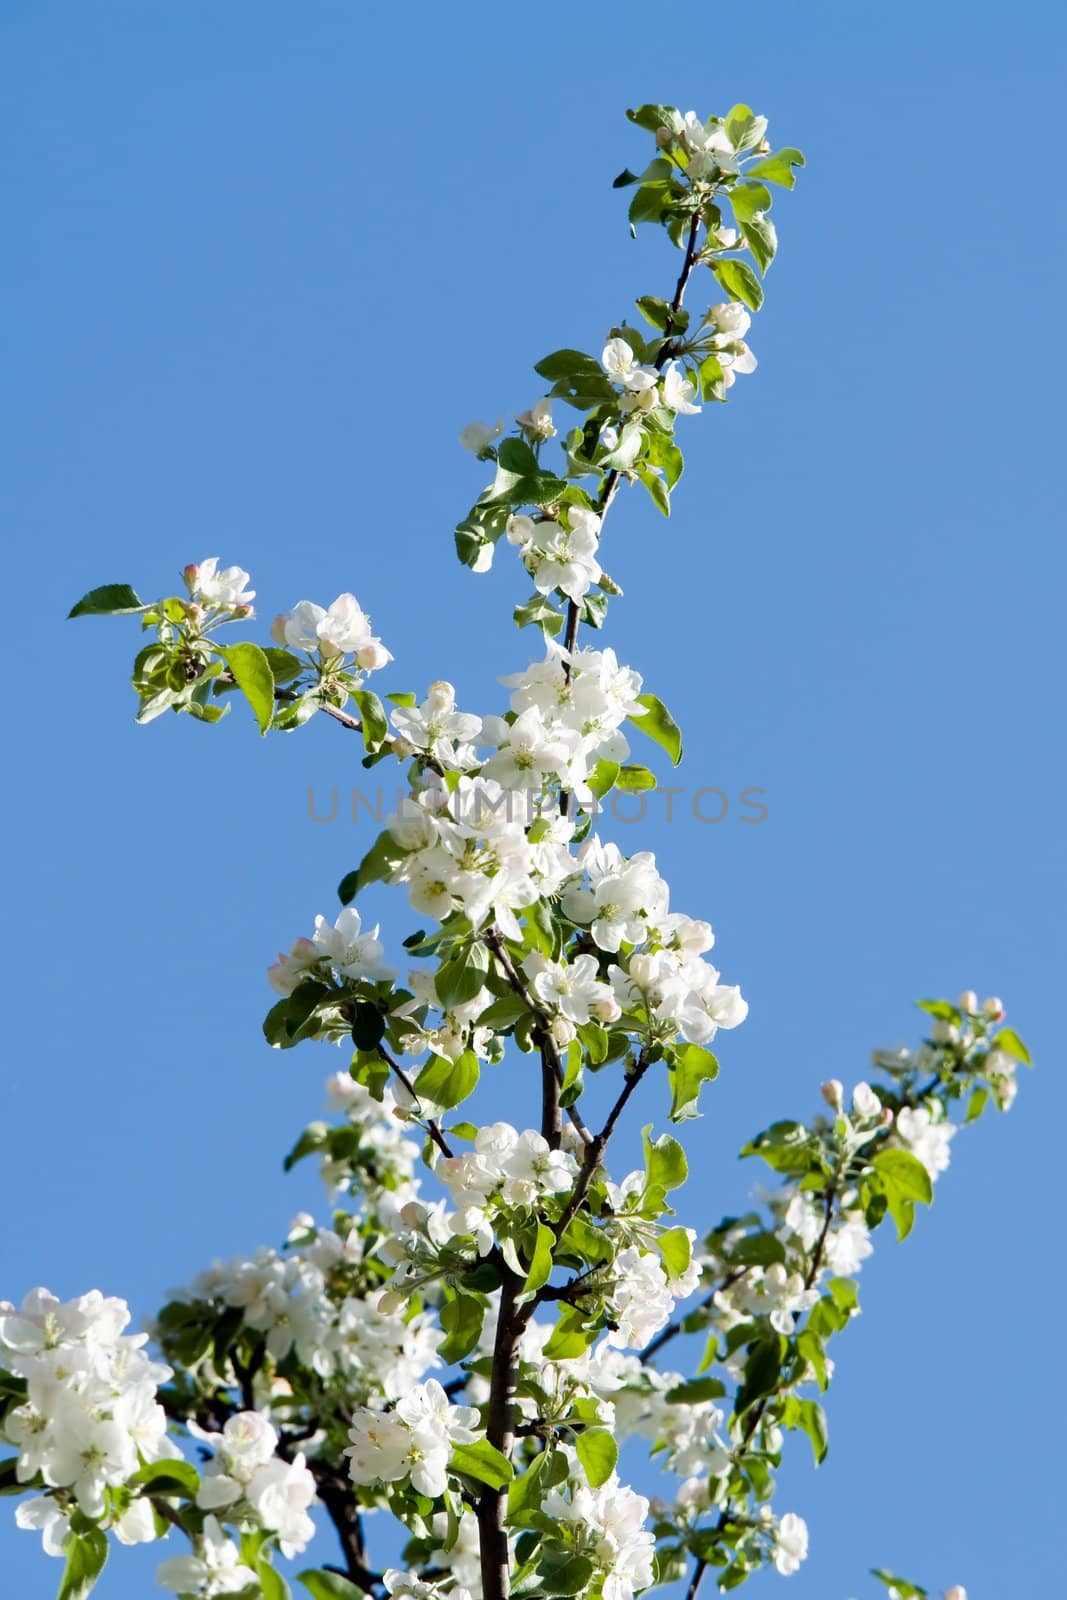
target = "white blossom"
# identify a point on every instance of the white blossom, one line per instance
(225, 588)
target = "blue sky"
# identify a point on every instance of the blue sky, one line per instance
(262, 262)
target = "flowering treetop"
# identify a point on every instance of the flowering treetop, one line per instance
(483, 1314)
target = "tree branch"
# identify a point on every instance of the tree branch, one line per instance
(432, 1126)
(491, 1504)
(594, 1150)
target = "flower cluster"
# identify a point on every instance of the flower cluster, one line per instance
(215, 590)
(413, 1441)
(607, 1525)
(506, 1171)
(90, 1417)
(559, 553)
(247, 1476)
(342, 951)
(340, 629)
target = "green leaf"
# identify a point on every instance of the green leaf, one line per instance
(372, 715)
(383, 856)
(603, 776)
(904, 1590)
(656, 311)
(739, 281)
(283, 664)
(448, 1083)
(368, 1025)
(693, 1066)
(271, 1582)
(976, 1104)
(251, 671)
(812, 1418)
(541, 1262)
(169, 1477)
(748, 198)
(1008, 1041)
(462, 976)
(564, 1574)
(676, 1249)
(665, 1163)
(778, 167)
(761, 1372)
(743, 128)
(86, 1555)
(570, 1337)
(329, 1586)
(658, 492)
(658, 723)
(526, 1493)
(761, 236)
(653, 117)
(635, 778)
(758, 1250)
(483, 1462)
(599, 1455)
(541, 612)
(943, 1010)
(110, 600)
(461, 1318)
(569, 364)
(907, 1173)
(712, 379)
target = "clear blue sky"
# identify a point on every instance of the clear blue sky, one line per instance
(262, 262)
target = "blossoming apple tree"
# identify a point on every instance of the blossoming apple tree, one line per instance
(483, 1315)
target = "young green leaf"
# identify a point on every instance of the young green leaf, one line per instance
(86, 1555)
(250, 669)
(658, 723)
(110, 600)
(483, 1462)
(598, 1453)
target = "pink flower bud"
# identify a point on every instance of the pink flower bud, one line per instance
(190, 574)
(994, 1008)
(957, 1592)
(887, 1117)
(833, 1092)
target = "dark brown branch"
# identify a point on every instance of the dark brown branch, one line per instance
(697, 1578)
(339, 1502)
(492, 1503)
(594, 1150)
(551, 1063)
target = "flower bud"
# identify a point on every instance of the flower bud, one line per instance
(563, 1031)
(968, 1002)
(190, 574)
(442, 695)
(957, 1592)
(241, 612)
(994, 1008)
(606, 1010)
(833, 1092)
(372, 657)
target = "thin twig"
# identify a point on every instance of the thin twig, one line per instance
(432, 1126)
